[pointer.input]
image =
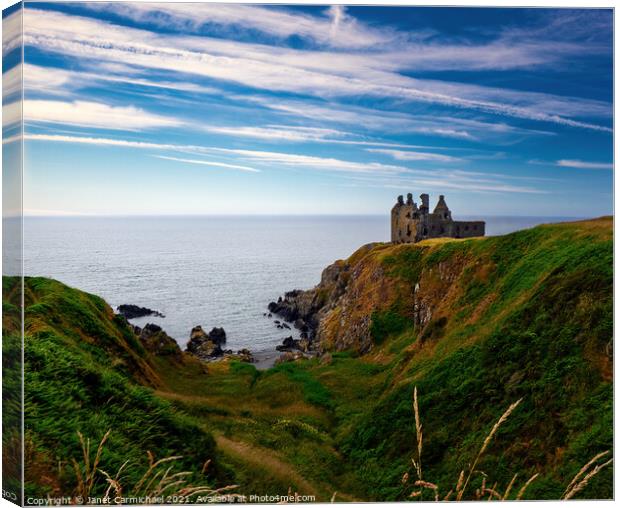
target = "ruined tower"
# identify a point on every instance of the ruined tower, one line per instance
(411, 223)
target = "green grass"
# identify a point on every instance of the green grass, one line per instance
(527, 315)
(85, 371)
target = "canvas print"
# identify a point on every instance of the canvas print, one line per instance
(306, 253)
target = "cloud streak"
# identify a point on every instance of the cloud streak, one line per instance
(415, 156)
(209, 163)
(577, 164)
(95, 115)
(384, 174)
(318, 74)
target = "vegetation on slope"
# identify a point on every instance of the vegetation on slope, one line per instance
(86, 372)
(476, 325)
(543, 335)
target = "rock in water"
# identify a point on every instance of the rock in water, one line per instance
(218, 335)
(288, 344)
(206, 346)
(134, 311)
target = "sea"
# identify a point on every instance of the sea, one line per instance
(209, 271)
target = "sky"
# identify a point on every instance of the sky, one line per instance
(143, 108)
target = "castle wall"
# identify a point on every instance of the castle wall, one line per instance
(403, 225)
(468, 229)
(410, 224)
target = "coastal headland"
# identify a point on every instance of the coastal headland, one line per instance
(474, 325)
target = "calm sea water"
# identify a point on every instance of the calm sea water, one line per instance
(209, 271)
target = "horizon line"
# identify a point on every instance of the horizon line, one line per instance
(296, 215)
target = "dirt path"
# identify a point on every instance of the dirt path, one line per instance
(266, 459)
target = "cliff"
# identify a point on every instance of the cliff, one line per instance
(477, 324)
(474, 324)
(442, 287)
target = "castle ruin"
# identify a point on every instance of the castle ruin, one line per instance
(411, 224)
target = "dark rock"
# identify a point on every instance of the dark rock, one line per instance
(284, 325)
(151, 328)
(206, 346)
(288, 344)
(276, 321)
(198, 334)
(131, 311)
(245, 355)
(300, 324)
(218, 335)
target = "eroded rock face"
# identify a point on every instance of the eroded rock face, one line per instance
(206, 346)
(338, 312)
(157, 341)
(305, 308)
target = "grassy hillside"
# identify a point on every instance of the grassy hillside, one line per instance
(527, 315)
(475, 324)
(86, 371)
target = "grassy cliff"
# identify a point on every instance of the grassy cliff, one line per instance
(475, 324)
(85, 371)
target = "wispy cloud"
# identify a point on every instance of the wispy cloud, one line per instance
(64, 82)
(12, 32)
(94, 114)
(387, 175)
(577, 164)
(284, 159)
(313, 162)
(390, 121)
(209, 163)
(334, 28)
(278, 132)
(272, 68)
(402, 155)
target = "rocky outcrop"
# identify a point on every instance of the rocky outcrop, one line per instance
(310, 310)
(131, 311)
(244, 355)
(157, 341)
(206, 346)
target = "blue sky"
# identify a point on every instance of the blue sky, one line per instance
(139, 108)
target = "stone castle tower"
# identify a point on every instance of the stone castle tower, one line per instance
(411, 223)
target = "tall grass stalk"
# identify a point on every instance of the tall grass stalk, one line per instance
(159, 481)
(577, 484)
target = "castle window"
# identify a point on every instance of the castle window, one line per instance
(466, 228)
